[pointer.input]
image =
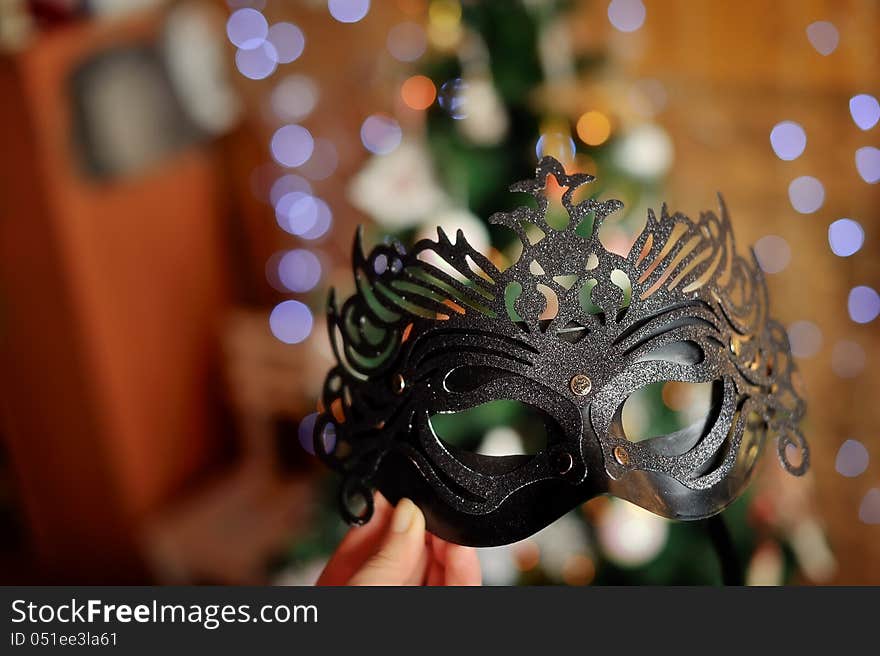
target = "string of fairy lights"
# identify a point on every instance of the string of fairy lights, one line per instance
(263, 48)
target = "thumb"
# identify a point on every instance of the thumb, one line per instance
(401, 552)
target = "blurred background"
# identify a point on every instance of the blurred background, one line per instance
(179, 186)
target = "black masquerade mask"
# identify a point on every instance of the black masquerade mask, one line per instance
(440, 329)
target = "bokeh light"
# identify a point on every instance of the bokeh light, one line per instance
(868, 164)
(292, 145)
(452, 98)
(865, 111)
(287, 184)
(773, 253)
(348, 11)
(380, 134)
(305, 432)
(296, 212)
(823, 36)
(407, 41)
(805, 338)
(626, 15)
(593, 128)
(852, 459)
(323, 221)
(291, 322)
(869, 509)
(294, 97)
(288, 41)
(863, 304)
(257, 63)
(806, 194)
(788, 140)
(845, 237)
(848, 359)
(646, 151)
(299, 270)
(418, 92)
(247, 28)
(556, 144)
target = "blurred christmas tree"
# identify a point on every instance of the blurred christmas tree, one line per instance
(500, 88)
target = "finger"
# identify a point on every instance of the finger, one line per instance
(438, 548)
(420, 573)
(400, 555)
(359, 543)
(462, 565)
(436, 573)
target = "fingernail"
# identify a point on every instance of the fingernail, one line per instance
(403, 516)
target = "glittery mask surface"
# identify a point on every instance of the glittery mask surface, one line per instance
(572, 330)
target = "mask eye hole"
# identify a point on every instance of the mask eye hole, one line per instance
(494, 438)
(672, 416)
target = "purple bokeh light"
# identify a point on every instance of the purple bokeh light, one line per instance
(845, 237)
(380, 134)
(868, 164)
(852, 459)
(291, 322)
(296, 212)
(287, 184)
(292, 145)
(299, 270)
(348, 11)
(288, 40)
(323, 221)
(305, 432)
(865, 111)
(788, 140)
(626, 15)
(863, 304)
(247, 28)
(869, 509)
(257, 63)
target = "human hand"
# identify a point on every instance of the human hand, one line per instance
(393, 548)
